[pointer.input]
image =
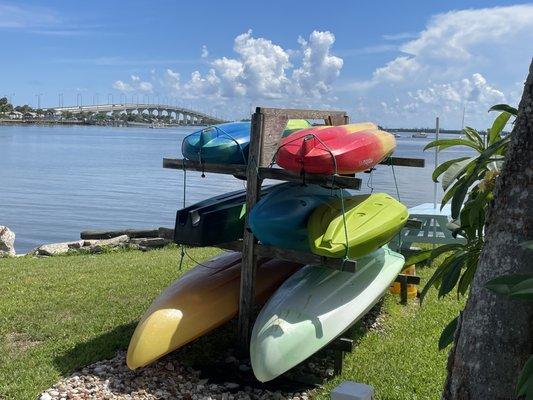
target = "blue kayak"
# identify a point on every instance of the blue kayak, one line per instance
(219, 144)
(226, 143)
(280, 218)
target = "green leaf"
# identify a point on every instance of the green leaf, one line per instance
(504, 107)
(497, 126)
(437, 275)
(446, 337)
(458, 198)
(444, 166)
(445, 143)
(468, 274)
(523, 290)
(418, 257)
(474, 136)
(449, 194)
(504, 284)
(451, 277)
(455, 171)
(437, 251)
(528, 245)
(525, 378)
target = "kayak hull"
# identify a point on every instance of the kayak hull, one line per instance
(201, 300)
(343, 149)
(219, 144)
(280, 218)
(227, 143)
(313, 307)
(219, 219)
(371, 222)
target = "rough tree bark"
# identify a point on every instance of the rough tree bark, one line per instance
(495, 335)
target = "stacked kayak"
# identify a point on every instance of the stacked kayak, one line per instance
(313, 307)
(227, 143)
(366, 223)
(343, 149)
(280, 218)
(219, 219)
(306, 308)
(201, 300)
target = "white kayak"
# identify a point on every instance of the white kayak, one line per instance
(313, 307)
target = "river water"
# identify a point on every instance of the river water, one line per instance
(56, 181)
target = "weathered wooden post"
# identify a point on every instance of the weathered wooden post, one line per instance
(249, 258)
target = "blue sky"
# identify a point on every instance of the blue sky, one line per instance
(396, 63)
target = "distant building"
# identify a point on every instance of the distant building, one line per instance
(15, 115)
(30, 115)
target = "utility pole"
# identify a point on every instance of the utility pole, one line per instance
(79, 100)
(38, 95)
(110, 96)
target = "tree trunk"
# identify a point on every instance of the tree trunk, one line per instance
(495, 334)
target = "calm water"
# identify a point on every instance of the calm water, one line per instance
(57, 181)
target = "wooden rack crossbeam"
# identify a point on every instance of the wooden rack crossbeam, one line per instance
(294, 256)
(340, 181)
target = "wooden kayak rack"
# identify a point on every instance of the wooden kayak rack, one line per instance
(267, 126)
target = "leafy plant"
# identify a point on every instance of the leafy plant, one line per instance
(468, 183)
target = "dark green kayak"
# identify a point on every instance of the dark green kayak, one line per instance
(217, 220)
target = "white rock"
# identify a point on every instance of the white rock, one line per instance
(45, 396)
(7, 242)
(113, 242)
(53, 249)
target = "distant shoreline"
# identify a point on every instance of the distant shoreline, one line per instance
(147, 125)
(71, 122)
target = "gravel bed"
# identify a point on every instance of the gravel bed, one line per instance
(225, 377)
(166, 379)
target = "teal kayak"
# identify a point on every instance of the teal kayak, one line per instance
(227, 143)
(280, 218)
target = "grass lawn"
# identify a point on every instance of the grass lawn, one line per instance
(59, 314)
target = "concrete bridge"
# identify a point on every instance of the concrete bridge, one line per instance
(182, 115)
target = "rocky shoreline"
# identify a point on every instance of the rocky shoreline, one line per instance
(92, 242)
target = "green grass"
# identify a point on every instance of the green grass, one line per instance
(59, 314)
(402, 361)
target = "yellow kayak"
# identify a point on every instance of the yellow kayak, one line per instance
(371, 221)
(201, 300)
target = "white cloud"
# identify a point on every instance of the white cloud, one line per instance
(21, 17)
(205, 52)
(262, 70)
(122, 86)
(319, 68)
(136, 85)
(467, 57)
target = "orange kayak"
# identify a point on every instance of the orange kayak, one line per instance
(202, 299)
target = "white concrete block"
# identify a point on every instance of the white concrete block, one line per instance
(349, 390)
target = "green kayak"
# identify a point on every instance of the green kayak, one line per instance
(313, 307)
(371, 221)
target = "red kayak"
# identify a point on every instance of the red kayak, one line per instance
(344, 149)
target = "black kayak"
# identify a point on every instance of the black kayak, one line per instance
(217, 220)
